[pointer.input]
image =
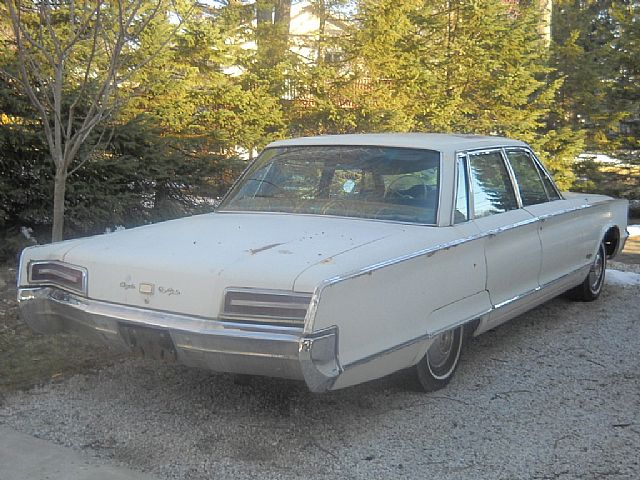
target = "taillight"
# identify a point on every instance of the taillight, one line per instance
(65, 275)
(271, 306)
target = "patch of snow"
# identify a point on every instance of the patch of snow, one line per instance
(117, 228)
(634, 230)
(27, 232)
(618, 277)
(597, 157)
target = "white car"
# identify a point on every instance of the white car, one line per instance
(336, 260)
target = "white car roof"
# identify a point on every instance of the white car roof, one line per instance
(432, 141)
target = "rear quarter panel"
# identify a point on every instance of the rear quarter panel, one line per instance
(381, 311)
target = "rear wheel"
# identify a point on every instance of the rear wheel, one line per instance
(437, 367)
(590, 289)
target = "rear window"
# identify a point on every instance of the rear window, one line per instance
(382, 183)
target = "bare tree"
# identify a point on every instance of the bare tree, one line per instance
(83, 44)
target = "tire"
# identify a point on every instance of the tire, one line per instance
(437, 367)
(590, 289)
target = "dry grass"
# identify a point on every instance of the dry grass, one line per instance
(27, 358)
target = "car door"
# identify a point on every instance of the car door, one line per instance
(560, 228)
(512, 245)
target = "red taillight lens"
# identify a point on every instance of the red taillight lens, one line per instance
(60, 274)
(272, 306)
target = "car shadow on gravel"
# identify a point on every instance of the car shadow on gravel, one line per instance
(255, 399)
(508, 377)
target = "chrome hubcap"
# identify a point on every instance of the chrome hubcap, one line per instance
(597, 269)
(440, 349)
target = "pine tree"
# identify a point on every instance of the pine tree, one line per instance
(457, 66)
(595, 52)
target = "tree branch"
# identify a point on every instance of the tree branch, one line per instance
(26, 84)
(93, 149)
(86, 72)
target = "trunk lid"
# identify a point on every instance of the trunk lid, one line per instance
(185, 265)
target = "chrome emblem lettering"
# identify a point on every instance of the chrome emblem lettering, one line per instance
(168, 291)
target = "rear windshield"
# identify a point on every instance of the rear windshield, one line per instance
(382, 183)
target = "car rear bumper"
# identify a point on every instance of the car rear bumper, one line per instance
(223, 346)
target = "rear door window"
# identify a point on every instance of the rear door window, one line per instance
(461, 213)
(492, 188)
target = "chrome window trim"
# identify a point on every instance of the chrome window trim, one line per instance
(83, 271)
(454, 197)
(244, 172)
(362, 219)
(480, 151)
(440, 191)
(470, 201)
(459, 156)
(313, 306)
(236, 181)
(470, 197)
(512, 175)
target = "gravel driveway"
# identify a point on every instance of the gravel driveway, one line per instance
(554, 394)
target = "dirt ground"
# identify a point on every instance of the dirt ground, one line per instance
(27, 358)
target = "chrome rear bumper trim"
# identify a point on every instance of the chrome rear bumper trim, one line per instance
(258, 349)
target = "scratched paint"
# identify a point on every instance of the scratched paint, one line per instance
(253, 251)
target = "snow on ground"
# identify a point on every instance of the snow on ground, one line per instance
(618, 277)
(597, 157)
(634, 230)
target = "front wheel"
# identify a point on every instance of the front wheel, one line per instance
(590, 288)
(437, 367)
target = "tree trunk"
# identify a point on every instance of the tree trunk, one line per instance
(264, 21)
(60, 186)
(322, 21)
(282, 14)
(282, 23)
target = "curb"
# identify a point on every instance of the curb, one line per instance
(23, 457)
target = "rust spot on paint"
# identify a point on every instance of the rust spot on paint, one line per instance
(253, 251)
(327, 260)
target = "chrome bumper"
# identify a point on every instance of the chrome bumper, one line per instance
(222, 346)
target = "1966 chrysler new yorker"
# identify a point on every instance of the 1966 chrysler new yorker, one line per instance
(336, 260)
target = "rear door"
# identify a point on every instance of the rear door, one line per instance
(512, 245)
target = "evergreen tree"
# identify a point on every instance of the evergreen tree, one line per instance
(71, 60)
(595, 52)
(457, 66)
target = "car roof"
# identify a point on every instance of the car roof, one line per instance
(433, 141)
